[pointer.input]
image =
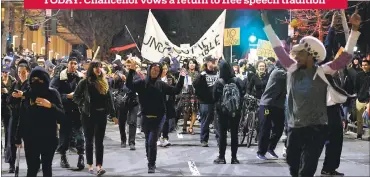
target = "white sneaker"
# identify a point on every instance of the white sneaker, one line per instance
(160, 142)
(284, 152)
(138, 130)
(166, 142)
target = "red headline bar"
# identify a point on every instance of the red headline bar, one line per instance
(185, 4)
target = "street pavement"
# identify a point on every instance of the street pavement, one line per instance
(187, 158)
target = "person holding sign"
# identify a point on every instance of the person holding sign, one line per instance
(307, 95)
(152, 93)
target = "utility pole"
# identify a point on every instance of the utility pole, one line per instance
(47, 28)
(5, 31)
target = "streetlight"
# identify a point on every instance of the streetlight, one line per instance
(32, 46)
(15, 36)
(252, 38)
(42, 48)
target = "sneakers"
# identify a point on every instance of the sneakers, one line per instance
(160, 142)
(81, 162)
(11, 169)
(123, 145)
(151, 168)
(234, 161)
(332, 173)
(261, 157)
(273, 154)
(204, 144)
(163, 142)
(220, 160)
(166, 142)
(64, 161)
(132, 147)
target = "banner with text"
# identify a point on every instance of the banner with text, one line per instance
(264, 49)
(156, 45)
(184, 4)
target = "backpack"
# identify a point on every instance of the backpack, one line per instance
(230, 100)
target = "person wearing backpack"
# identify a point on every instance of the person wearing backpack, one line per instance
(228, 93)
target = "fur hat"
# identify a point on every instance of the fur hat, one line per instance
(313, 46)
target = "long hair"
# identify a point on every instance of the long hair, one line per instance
(100, 82)
(196, 65)
(260, 74)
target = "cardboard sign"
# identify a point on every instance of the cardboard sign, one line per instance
(264, 49)
(231, 36)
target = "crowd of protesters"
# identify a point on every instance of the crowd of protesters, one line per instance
(61, 104)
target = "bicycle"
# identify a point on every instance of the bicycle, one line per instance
(249, 120)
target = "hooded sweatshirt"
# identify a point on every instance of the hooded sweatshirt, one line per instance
(38, 123)
(203, 86)
(275, 92)
(228, 76)
(152, 92)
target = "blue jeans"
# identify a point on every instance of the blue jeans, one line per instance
(207, 115)
(152, 128)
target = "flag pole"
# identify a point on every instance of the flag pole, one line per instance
(132, 38)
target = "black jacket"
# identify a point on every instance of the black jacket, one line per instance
(66, 84)
(362, 86)
(82, 98)
(227, 75)
(203, 85)
(257, 85)
(39, 123)
(152, 92)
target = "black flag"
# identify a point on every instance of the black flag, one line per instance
(122, 41)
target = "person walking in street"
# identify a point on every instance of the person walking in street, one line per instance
(203, 85)
(128, 111)
(66, 84)
(307, 95)
(271, 112)
(95, 101)
(41, 109)
(152, 92)
(14, 104)
(227, 119)
(362, 86)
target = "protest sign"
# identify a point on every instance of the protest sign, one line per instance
(156, 44)
(232, 36)
(264, 49)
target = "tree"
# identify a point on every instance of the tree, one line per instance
(97, 27)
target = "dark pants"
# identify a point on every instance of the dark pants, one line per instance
(165, 129)
(71, 128)
(152, 127)
(304, 148)
(11, 150)
(128, 115)
(333, 149)
(224, 123)
(6, 119)
(271, 125)
(94, 127)
(207, 114)
(36, 147)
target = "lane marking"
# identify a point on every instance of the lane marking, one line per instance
(193, 168)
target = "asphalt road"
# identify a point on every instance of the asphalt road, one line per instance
(187, 158)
